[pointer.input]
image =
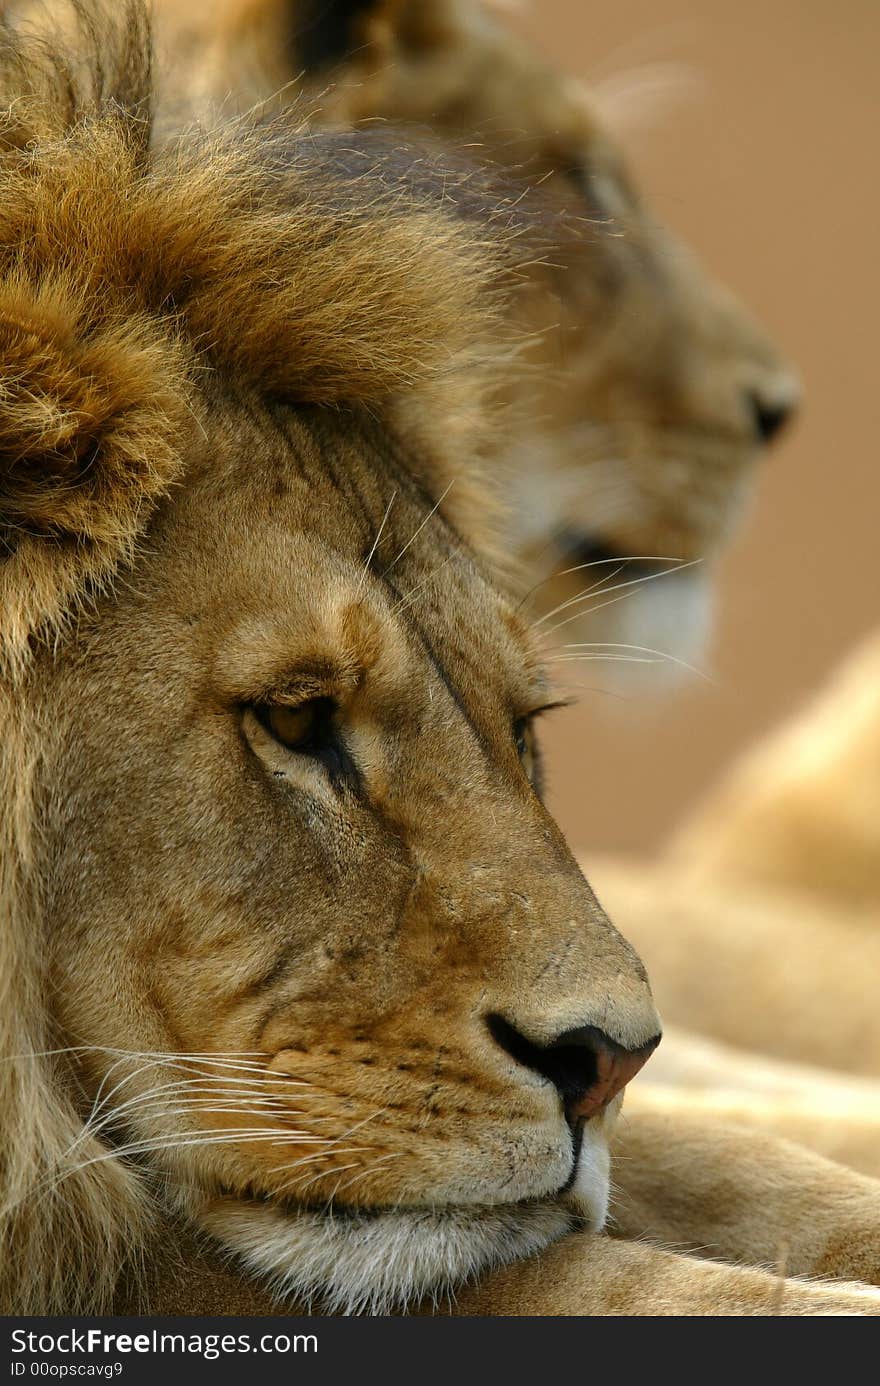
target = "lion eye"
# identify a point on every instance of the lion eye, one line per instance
(524, 740)
(306, 727)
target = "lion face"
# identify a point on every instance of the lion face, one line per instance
(653, 394)
(313, 928)
(651, 402)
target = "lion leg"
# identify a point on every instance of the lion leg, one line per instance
(581, 1275)
(742, 1195)
(596, 1275)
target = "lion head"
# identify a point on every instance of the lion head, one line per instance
(290, 945)
(634, 442)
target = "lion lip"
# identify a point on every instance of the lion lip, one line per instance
(577, 1140)
(588, 550)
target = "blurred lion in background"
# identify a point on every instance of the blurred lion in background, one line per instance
(651, 395)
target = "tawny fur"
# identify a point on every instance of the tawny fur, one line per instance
(128, 273)
(799, 813)
(241, 292)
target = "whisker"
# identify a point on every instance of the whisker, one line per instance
(344, 1135)
(219, 1054)
(645, 649)
(237, 1103)
(92, 1123)
(622, 559)
(381, 1111)
(432, 511)
(366, 567)
(321, 1155)
(335, 1190)
(206, 1110)
(608, 659)
(631, 582)
(649, 577)
(410, 596)
(586, 592)
(301, 1187)
(145, 1146)
(303, 1160)
(392, 1155)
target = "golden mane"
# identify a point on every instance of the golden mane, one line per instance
(319, 271)
(132, 280)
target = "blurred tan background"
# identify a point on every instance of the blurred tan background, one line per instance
(767, 165)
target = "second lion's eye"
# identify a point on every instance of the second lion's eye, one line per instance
(306, 727)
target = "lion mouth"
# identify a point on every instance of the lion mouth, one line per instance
(649, 617)
(378, 1261)
(589, 550)
(363, 1212)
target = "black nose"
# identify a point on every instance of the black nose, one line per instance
(769, 418)
(586, 1066)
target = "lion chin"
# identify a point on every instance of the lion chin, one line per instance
(384, 1260)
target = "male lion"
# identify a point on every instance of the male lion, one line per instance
(291, 952)
(652, 393)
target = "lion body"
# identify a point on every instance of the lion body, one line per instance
(766, 904)
(799, 813)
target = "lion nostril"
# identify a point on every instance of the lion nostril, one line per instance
(587, 1067)
(769, 418)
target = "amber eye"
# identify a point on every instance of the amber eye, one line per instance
(304, 727)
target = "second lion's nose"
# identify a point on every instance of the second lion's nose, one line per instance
(587, 1067)
(770, 415)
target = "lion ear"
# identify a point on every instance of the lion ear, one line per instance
(84, 415)
(91, 414)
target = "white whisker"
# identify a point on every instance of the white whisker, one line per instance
(366, 567)
(310, 1159)
(391, 1155)
(608, 659)
(580, 615)
(322, 1174)
(631, 582)
(410, 596)
(644, 649)
(621, 559)
(432, 511)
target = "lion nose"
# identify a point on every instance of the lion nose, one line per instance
(587, 1067)
(770, 416)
